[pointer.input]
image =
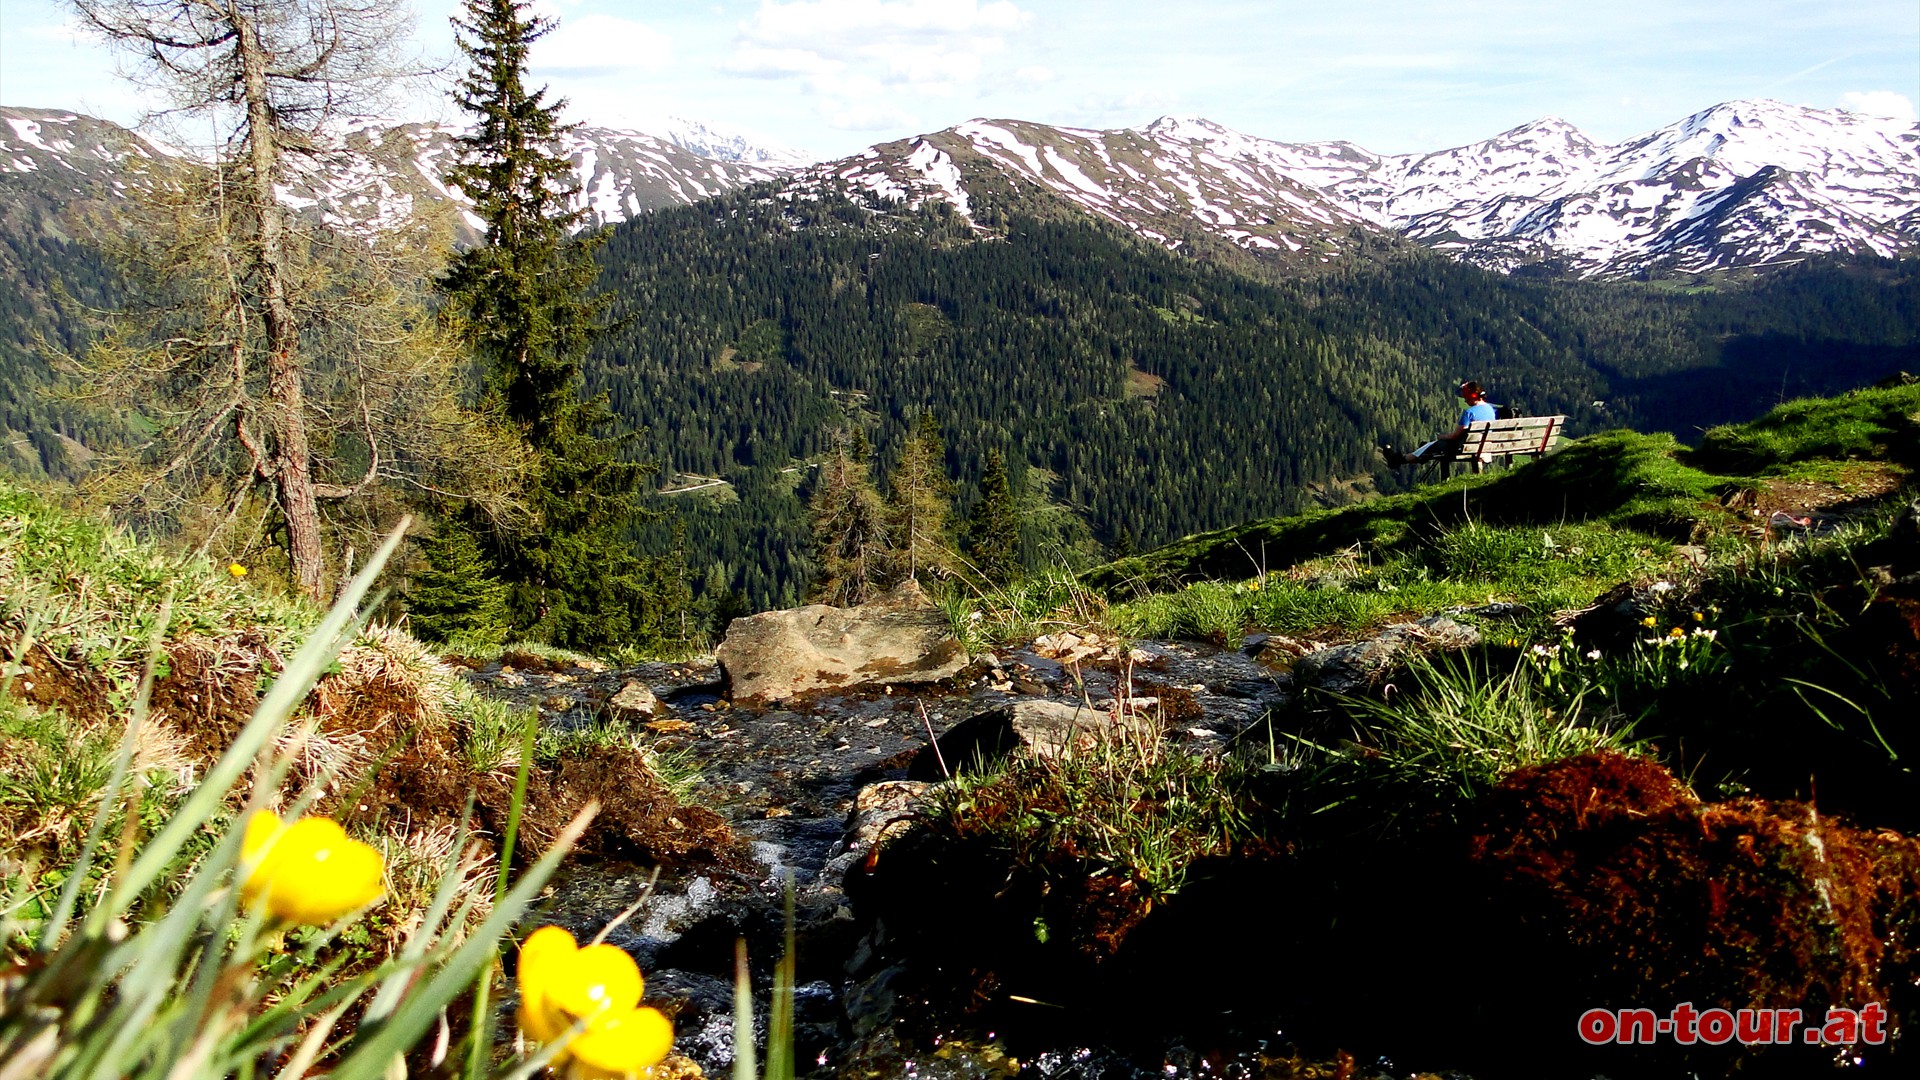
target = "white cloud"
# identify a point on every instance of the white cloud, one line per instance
(596, 44)
(870, 116)
(865, 61)
(1887, 103)
(760, 62)
(830, 25)
(1037, 75)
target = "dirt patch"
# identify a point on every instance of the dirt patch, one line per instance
(1857, 486)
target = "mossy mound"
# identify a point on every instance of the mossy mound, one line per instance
(398, 742)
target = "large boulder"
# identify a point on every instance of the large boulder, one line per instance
(900, 638)
(1046, 729)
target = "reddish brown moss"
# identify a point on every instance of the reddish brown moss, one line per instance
(1738, 904)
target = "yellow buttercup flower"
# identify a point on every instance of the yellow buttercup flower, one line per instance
(307, 872)
(237, 570)
(1676, 632)
(622, 1044)
(562, 984)
(543, 950)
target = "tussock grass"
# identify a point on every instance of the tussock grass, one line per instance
(1141, 810)
(1041, 603)
(1459, 726)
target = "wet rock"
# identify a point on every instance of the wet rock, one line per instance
(634, 701)
(900, 638)
(1044, 728)
(882, 813)
(1351, 669)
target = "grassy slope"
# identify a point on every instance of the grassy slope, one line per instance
(1647, 484)
(400, 736)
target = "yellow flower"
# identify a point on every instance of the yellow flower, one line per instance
(1699, 616)
(308, 872)
(1676, 632)
(237, 570)
(562, 984)
(622, 1044)
(1254, 585)
(1648, 621)
(543, 950)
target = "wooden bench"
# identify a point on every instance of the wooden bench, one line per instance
(1489, 440)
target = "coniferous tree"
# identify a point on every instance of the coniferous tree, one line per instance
(456, 597)
(993, 529)
(524, 299)
(919, 503)
(852, 547)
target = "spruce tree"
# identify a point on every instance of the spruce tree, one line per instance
(993, 528)
(852, 546)
(456, 597)
(525, 301)
(919, 503)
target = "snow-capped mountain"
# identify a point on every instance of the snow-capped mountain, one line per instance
(1183, 196)
(374, 172)
(1744, 184)
(1747, 183)
(379, 173)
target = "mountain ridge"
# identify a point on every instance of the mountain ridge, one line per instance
(1741, 185)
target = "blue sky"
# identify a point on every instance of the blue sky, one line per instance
(833, 76)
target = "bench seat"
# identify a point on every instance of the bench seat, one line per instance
(1489, 440)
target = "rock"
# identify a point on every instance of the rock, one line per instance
(1046, 729)
(1351, 669)
(633, 701)
(1280, 653)
(882, 813)
(900, 638)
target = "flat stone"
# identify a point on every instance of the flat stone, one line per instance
(900, 638)
(633, 700)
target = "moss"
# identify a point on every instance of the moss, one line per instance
(1661, 898)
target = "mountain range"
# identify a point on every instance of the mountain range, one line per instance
(1742, 185)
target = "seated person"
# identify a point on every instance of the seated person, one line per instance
(1478, 408)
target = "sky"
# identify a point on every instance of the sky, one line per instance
(831, 77)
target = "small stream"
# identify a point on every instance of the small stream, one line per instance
(786, 777)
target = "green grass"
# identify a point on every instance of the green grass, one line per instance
(1544, 568)
(1619, 478)
(83, 590)
(1142, 810)
(1460, 725)
(1871, 424)
(148, 964)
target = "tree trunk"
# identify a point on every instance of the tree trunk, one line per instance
(290, 458)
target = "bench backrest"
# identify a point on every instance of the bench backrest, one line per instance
(1520, 435)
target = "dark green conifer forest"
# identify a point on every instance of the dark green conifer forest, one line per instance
(1148, 394)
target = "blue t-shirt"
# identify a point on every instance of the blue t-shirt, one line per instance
(1478, 411)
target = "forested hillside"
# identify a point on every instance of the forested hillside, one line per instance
(1161, 394)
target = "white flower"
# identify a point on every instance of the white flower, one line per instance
(1662, 586)
(1593, 654)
